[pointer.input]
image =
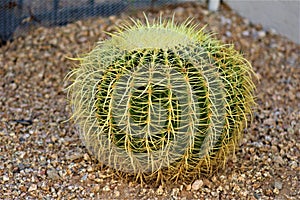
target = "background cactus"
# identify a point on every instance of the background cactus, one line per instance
(161, 100)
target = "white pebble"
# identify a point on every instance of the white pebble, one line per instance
(197, 184)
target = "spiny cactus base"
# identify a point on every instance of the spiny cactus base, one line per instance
(161, 101)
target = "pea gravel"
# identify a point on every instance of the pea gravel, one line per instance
(42, 157)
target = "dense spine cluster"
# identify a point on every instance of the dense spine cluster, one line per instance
(162, 100)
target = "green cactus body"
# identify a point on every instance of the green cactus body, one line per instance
(161, 100)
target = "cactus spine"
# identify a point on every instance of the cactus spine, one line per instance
(161, 100)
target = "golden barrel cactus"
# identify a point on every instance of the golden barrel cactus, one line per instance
(161, 101)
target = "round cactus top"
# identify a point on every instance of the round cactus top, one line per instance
(162, 35)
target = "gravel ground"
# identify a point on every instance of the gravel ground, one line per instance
(42, 157)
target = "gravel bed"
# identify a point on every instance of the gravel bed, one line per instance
(42, 157)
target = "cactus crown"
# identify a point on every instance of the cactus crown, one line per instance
(161, 100)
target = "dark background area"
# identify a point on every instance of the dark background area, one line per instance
(20, 14)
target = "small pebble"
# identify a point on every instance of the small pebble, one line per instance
(246, 33)
(106, 188)
(96, 188)
(179, 11)
(160, 190)
(174, 193)
(278, 185)
(5, 178)
(228, 33)
(117, 193)
(276, 191)
(197, 185)
(53, 174)
(261, 34)
(33, 187)
(188, 187)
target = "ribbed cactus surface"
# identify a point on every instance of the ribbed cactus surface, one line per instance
(161, 100)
